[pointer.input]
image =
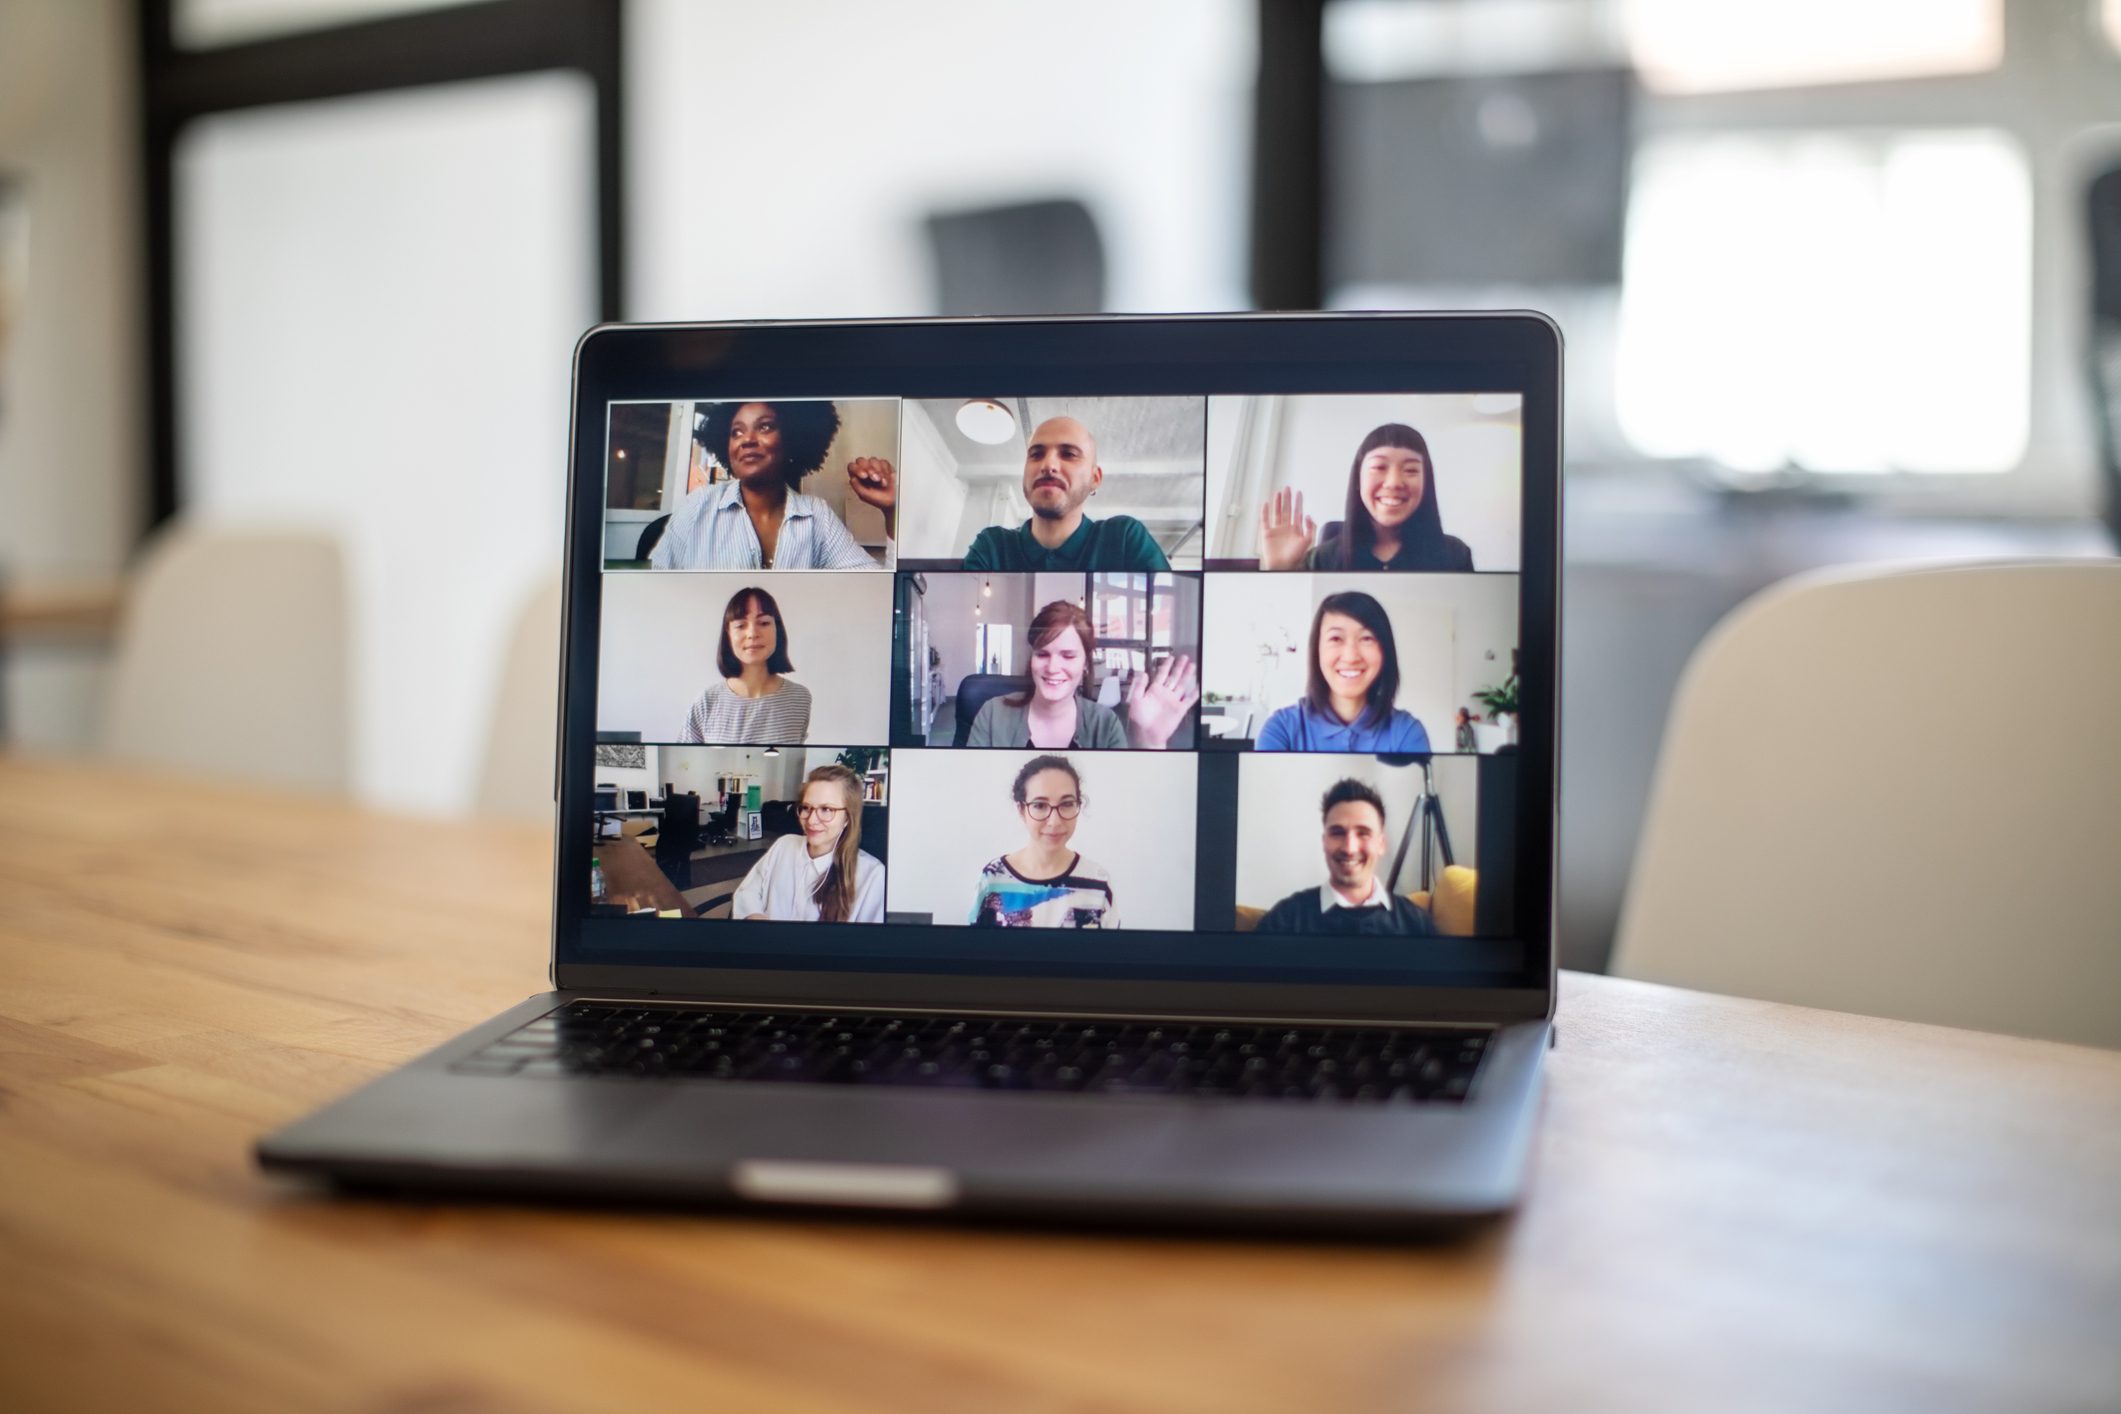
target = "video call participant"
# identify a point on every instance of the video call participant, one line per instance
(1391, 522)
(758, 520)
(1059, 710)
(1353, 900)
(752, 703)
(1045, 884)
(822, 873)
(1061, 472)
(1354, 681)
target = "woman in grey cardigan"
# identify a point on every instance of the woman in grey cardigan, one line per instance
(1057, 713)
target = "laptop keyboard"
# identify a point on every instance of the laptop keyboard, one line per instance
(1373, 1064)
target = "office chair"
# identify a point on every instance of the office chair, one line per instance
(1897, 792)
(676, 838)
(515, 772)
(1037, 257)
(974, 691)
(721, 826)
(651, 535)
(234, 657)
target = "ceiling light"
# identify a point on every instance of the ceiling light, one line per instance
(985, 420)
(773, 751)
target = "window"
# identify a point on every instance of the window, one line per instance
(1836, 302)
(1686, 46)
(208, 24)
(410, 402)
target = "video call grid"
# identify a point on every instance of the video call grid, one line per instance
(899, 743)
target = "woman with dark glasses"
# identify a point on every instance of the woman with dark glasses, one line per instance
(1045, 884)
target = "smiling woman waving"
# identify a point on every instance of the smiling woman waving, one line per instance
(1057, 712)
(1391, 521)
(1354, 682)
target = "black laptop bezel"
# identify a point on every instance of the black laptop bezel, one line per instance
(1088, 355)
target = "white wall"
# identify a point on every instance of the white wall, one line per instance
(784, 156)
(1280, 832)
(953, 627)
(695, 769)
(1478, 458)
(951, 812)
(935, 506)
(1454, 633)
(661, 629)
(648, 778)
(71, 363)
(378, 299)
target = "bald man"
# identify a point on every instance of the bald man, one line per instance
(1060, 473)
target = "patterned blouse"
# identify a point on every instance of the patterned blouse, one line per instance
(1080, 896)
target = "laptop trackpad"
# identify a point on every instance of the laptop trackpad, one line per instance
(924, 1149)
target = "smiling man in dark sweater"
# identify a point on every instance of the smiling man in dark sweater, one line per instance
(1353, 900)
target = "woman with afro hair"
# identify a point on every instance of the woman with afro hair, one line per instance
(758, 519)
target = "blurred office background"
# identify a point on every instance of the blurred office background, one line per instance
(1830, 272)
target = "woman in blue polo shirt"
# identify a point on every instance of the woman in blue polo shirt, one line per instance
(1354, 680)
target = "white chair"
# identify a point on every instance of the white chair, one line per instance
(232, 658)
(1898, 792)
(516, 776)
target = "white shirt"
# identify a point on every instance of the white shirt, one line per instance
(779, 885)
(1329, 898)
(711, 530)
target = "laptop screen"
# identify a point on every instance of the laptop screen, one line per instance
(1045, 680)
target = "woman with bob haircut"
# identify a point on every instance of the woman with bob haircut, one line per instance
(1354, 680)
(1045, 884)
(758, 519)
(1391, 522)
(1059, 710)
(752, 703)
(822, 873)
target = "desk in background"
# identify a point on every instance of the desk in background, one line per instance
(1735, 1206)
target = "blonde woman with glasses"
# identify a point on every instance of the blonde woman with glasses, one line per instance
(823, 872)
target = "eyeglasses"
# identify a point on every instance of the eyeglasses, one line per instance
(828, 811)
(1068, 809)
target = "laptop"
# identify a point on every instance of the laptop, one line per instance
(1092, 769)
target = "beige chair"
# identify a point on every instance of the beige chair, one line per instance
(1898, 792)
(232, 658)
(515, 778)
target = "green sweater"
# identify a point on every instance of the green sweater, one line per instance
(999, 724)
(1120, 543)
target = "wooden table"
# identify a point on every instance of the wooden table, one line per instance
(1736, 1205)
(633, 879)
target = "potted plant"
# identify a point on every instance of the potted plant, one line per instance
(1500, 704)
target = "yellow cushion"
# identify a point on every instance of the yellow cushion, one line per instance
(1248, 918)
(1452, 910)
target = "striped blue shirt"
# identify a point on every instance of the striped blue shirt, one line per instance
(710, 530)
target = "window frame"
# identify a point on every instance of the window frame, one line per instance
(450, 44)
